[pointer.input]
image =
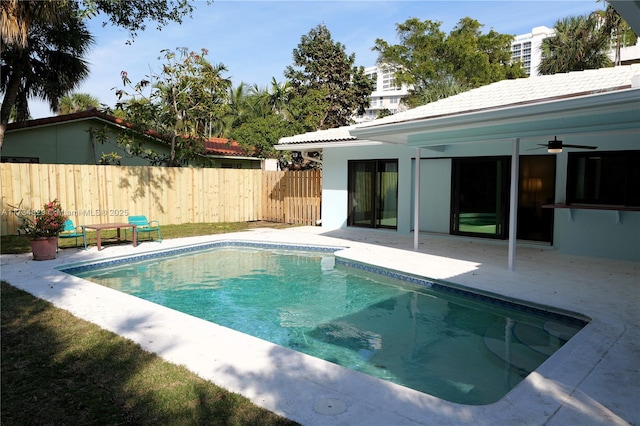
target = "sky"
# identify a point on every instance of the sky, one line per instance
(255, 39)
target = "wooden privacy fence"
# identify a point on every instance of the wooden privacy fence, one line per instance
(292, 197)
(102, 194)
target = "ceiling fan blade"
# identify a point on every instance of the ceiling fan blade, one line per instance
(579, 146)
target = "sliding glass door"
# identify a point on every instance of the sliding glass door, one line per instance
(373, 193)
(480, 194)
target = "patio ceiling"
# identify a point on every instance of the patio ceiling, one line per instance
(617, 111)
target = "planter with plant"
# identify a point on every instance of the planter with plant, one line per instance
(42, 227)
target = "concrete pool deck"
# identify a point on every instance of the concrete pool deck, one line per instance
(592, 380)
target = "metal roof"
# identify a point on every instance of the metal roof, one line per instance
(337, 134)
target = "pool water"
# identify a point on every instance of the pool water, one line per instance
(459, 348)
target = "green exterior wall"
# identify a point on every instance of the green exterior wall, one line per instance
(70, 143)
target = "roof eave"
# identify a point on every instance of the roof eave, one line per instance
(390, 132)
(316, 146)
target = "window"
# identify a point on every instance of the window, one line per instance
(231, 166)
(20, 160)
(389, 81)
(604, 178)
(374, 79)
(373, 193)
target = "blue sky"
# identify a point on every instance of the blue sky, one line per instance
(255, 39)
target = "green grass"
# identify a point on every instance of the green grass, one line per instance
(15, 244)
(58, 369)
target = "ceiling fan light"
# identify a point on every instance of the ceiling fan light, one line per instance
(554, 146)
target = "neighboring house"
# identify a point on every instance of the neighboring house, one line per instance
(228, 154)
(472, 146)
(89, 137)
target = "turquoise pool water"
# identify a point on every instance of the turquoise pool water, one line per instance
(448, 343)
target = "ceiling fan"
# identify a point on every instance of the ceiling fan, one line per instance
(555, 146)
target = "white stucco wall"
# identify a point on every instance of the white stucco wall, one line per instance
(586, 232)
(435, 195)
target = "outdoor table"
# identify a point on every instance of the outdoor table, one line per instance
(99, 227)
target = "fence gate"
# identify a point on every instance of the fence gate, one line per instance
(292, 197)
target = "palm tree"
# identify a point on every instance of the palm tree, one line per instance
(279, 96)
(76, 102)
(618, 30)
(47, 67)
(579, 43)
(18, 16)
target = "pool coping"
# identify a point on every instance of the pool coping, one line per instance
(256, 368)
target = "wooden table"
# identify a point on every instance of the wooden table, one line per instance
(99, 227)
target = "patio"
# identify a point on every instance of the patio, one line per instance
(593, 379)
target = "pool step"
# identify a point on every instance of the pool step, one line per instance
(528, 348)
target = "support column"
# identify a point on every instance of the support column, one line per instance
(416, 201)
(513, 205)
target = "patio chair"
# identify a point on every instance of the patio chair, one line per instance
(144, 225)
(69, 230)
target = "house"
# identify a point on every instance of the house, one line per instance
(89, 137)
(553, 160)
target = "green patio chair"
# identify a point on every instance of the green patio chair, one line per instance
(69, 230)
(144, 225)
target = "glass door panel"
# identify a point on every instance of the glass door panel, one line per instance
(373, 193)
(479, 197)
(387, 194)
(361, 193)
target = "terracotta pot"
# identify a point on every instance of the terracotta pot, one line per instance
(44, 248)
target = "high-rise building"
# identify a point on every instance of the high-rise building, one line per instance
(526, 48)
(386, 94)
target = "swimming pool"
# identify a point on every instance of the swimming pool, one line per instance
(441, 340)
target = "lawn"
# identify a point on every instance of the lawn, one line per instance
(13, 244)
(58, 369)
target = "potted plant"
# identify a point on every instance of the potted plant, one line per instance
(42, 227)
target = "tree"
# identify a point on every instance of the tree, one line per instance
(436, 66)
(21, 20)
(76, 102)
(132, 15)
(18, 16)
(616, 27)
(49, 65)
(183, 103)
(259, 135)
(579, 43)
(327, 88)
